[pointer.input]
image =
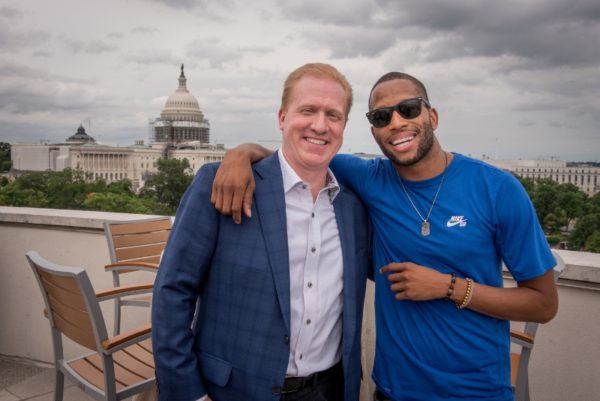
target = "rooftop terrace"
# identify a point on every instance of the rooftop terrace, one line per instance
(565, 363)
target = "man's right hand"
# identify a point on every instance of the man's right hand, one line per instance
(233, 185)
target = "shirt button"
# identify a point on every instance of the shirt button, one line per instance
(313, 249)
(286, 339)
(307, 321)
(300, 357)
(312, 215)
(309, 285)
(303, 186)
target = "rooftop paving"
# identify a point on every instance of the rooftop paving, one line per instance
(23, 381)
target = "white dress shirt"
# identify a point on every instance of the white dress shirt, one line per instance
(316, 274)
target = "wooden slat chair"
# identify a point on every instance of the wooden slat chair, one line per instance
(134, 245)
(122, 365)
(524, 341)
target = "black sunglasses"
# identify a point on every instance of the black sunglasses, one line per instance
(408, 109)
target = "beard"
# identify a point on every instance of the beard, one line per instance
(425, 146)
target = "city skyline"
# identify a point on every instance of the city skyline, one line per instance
(514, 79)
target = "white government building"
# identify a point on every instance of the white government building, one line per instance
(181, 132)
(586, 178)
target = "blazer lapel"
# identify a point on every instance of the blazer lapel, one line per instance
(269, 200)
(344, 219)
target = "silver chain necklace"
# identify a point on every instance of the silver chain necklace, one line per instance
(425, 227)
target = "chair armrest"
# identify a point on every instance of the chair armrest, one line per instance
(123, 291)
(127, 338)
(122, 267)
(522, 338)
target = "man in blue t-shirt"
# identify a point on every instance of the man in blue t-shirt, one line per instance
(442, 225)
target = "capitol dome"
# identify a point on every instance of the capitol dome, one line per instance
(181, 120)
(182, 105)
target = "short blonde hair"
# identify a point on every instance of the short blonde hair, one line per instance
(316, 70)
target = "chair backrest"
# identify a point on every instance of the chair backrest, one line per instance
(70, 300)
(137, 240)
(525, 341)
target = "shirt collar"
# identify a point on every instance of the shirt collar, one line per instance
(291, 178)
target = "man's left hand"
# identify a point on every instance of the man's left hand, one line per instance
(415, 282)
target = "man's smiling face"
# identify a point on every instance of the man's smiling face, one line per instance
(404, 141)
(313, 123)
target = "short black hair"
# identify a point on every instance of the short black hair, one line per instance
(390, 76)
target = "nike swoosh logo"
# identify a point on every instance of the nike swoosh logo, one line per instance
(453, 223)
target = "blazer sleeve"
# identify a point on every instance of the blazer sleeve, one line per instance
(185, 262)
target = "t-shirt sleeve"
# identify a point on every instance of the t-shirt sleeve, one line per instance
(520, 238)
(351, 171)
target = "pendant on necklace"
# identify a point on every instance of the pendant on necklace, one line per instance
(425, 231)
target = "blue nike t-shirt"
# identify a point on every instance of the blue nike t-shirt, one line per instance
(430, 350)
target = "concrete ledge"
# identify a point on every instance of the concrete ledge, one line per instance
(62, 218)
(582, 270)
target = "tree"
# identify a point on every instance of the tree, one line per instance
(68, 189)
(586, 227)
(29, 190)
(554, 221)
(544, 197)
(572, 201)
(123, 186)
(121, 202)
(167, 186)
(5, 161)
(592, 244)
(527, 183)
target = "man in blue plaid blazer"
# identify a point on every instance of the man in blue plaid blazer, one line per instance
(247, 340)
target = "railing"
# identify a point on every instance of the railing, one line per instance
(564, 365)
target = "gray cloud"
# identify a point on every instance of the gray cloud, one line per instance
(12, 41)
(42, 53)
(10, 12)
(150, 56)
(212, 52)
(90, 47)
(345, 42)
(115, 35)
(185, 4)
(13, 38)
(144, 30)
(331, 12)
(28, 90)
(543, 32)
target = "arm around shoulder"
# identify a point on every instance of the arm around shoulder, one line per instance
(233, 185)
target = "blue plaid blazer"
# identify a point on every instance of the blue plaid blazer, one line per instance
(238, 275)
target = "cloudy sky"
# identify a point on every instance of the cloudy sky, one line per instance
(510, 79)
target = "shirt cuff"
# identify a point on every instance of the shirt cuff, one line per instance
(202, 398)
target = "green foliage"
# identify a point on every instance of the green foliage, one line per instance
(167, 186)
(123, 186)
(560, 205)
(527, 183)
(5, 161)
(554, 239)
(73, 189)
(592, 244)
(121, 202)
(586, 229)
(557, 205)
(554, 221)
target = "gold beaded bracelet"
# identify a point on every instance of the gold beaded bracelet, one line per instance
(451, 286)
(468, 295)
